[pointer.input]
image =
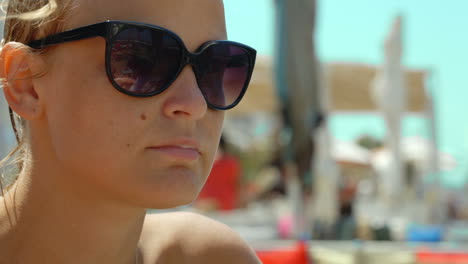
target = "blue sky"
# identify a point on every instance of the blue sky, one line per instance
(435, 36)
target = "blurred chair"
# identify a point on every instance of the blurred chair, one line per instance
(440, 257)
(297, 254)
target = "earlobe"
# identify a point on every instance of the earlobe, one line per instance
(16, 63)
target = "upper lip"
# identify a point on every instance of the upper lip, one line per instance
(180, 143)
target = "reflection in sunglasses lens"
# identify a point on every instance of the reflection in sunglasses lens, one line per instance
(222, 73)
(143, 61)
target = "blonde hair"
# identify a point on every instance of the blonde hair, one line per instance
(27, 20)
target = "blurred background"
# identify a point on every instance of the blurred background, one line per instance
(351, 144)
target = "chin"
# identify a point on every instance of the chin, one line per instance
(171, 197)
(168, 188)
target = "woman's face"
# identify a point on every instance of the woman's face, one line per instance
(155, 152)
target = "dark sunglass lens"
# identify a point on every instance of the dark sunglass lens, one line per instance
(222, 71)
(144, 61)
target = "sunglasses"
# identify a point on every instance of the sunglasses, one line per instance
(143, 60)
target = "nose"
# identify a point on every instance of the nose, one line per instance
(184, 99)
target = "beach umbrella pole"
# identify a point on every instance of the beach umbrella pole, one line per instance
(297, 88)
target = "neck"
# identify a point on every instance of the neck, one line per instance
(51, 223)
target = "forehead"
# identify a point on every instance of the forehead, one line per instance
(195, 21)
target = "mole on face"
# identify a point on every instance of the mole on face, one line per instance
(143, 117)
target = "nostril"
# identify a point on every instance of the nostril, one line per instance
(180, 112)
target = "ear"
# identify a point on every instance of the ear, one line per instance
(18, 67)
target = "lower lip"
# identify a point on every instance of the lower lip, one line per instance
(185, 154)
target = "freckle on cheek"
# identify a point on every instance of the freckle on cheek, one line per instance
(143, 117)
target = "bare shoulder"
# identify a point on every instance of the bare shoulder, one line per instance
(184, 237)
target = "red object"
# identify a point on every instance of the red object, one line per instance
(295, 255)
(434, 257)
(223, 183)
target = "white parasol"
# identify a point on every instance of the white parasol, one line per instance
(417, 150)
(390, 95)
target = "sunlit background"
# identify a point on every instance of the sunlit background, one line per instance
(353, 31)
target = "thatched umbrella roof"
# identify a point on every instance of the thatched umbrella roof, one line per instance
(348, 87)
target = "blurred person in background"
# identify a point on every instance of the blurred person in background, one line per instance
(111, 120)
(346, 228)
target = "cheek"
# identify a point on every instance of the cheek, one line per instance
(85, 115)
(213, 128)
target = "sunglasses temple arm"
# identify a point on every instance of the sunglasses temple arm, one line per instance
(90, 31)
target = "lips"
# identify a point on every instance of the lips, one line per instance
(181, 149)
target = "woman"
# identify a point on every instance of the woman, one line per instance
(114, 117)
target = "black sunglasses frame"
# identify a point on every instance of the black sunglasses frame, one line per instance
(110, 29)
